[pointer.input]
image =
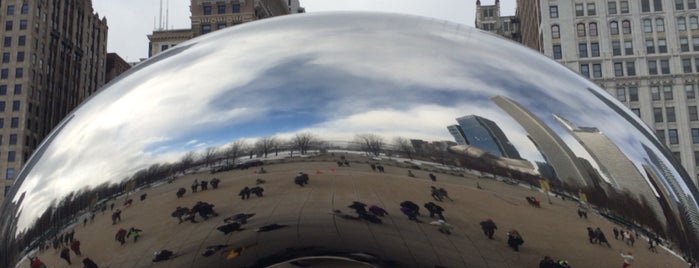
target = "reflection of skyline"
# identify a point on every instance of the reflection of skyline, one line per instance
(557, 153)
(483, 134)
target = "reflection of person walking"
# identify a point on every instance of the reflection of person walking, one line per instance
(135, 233)
(75, 246)
(65, 254)
(488, 227)
(195, 185)
(514, 240)
(120, 236)
(628, 259)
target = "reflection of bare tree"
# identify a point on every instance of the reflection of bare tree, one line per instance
(370, 143)
(234, 150)
(186, 162)
(303, 142)
(265, 145)
(403, 145)
(209, 155)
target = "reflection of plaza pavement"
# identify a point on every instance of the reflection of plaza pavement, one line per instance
(553, 230)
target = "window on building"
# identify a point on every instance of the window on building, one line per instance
(221, 9)
(11, 156)
(591, 9)
(24, 9)
(695, 43)
(662, 46)
(681, 24)
(10, 174)
(555, 32)
(594, 49)
(645, 5)
(693, 22)
(667, 93)
(205, 28)
(650, 46)
(670, 114)
(696, 64)
(20, 56)
(23, 24)
(19, 72)
(665, 66)
(236, 8)
(553, 11)
(611, 7)
(657, 115)
(621, 94)
(7, 190)
(597, 70)
(207, 10)
(164, 47)
(18, 89)
(3, 90)
(647, 26)
(582, 50)
(593, 29)
(684, 44)
(15, 106)
(660, 133)
(579, 10)
(14, 122)
(5, 57)
(657, 5)
(636, 111)
(8, 41)
(633, 94)
(4, 73)
(616, 48)
(630, 68)
(8, 25)
(691, 4)
(689, 92)
(687, 65)
(22, 40)
(677, 156)
(626, 26)
(618, 69)
(679, 4)
(557, 53)
(585, 70)
(660, 25)
(581, 29)
(10, 9)
(693, 113)
(672, 136)
(655, 93)
(614, 28)
(624, 7)
(628, 48)
(2, 124)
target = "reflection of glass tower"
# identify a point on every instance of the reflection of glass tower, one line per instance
(483, 134)
(559, 155)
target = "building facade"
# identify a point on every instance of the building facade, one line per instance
(643, 52)
(53, 57)
(211, 15)
(115, 66)
(488, 18)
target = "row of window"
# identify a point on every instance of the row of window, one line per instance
(24, 9)
(589, 9)
(21, 41)
(653, 46)
(17, 91)
(9, 25)
(628, 68)
(206, 28)
(672, 138)
(582, 29)
(221, 9)
(15, 108)
(664, 93)
(5, 73)
(14, 123)
(6, 57)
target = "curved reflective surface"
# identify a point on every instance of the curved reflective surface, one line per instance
(338, 119)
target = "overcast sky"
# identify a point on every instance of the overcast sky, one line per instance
(130, 21)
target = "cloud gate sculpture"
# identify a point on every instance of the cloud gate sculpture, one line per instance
(356, 139)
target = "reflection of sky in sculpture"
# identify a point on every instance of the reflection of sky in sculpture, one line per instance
(363, 73)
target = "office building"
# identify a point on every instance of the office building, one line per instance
(483, 134)
(53, 57)
(488, 19)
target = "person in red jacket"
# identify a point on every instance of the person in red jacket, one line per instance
(75, 246)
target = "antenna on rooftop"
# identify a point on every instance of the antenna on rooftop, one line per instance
(167, 14)
(160, 25)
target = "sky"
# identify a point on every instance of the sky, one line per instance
(130, 21)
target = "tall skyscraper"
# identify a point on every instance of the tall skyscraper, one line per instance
(212, 15)
(643, 52)
(53, 57)
(483, 134)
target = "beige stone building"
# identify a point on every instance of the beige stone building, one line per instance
(488, 18)
(211, 15)
(53, 57)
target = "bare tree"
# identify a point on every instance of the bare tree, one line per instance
(370, 143)
(303, 142)
(403, 145)
(186, 162)
(234, 150)
(265, 145)
(210, 155)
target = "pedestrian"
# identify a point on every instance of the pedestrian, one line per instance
(444, 227)
(380, 168)
(215, 182)
(301, 179)
(181, 192)
(143, 196)
(412, 215)
(84, 221)
(433, 177)
(111, 207)
(651, 246)
(35, 262)
(373, 167)
(591, 235)
(92, 218)
(436, 194)
(258, 191)
(358, 207)
(547, 262)
(412, 206)
(616, 233)
(601, 239)
(444, 194)
(116, 216)
(65, 254)
(244, 193)
(135, 233)
(562, 264)
(195, 185)
(378, 211)
(204, 185)
(489, 227)
(89, 263)
(514, 240)
(628, 258)
(163, 255)
(179, 213)
(434, 209)
(75, 246)
(120, 236)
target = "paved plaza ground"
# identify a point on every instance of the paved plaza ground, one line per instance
(554, 229)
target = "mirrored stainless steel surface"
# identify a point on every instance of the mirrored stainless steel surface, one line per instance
(341, 97)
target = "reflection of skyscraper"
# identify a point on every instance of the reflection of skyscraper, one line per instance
(483, 134)
(554, 149)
